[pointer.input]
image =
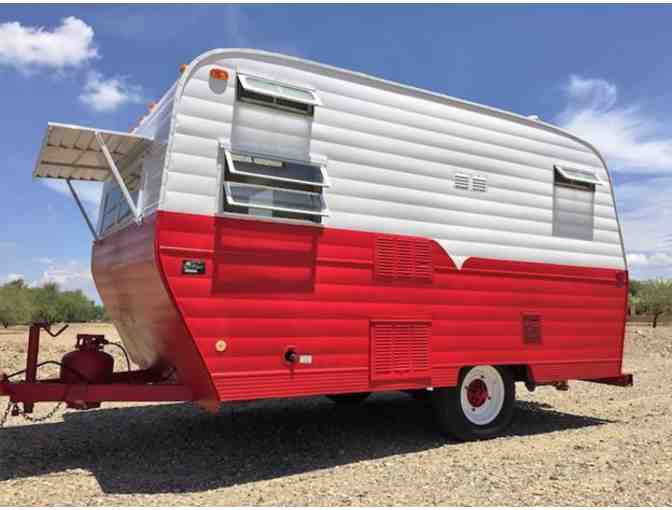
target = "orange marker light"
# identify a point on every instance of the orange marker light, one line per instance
(183, 67)
(218, 74)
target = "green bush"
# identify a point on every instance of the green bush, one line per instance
(655, 297)
(20, 304)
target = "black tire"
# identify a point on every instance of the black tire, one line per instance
(451, 417)
(348, 399)
(421, 395)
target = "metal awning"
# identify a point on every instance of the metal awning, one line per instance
(88, 154)
(75, 152)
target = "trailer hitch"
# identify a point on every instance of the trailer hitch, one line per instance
(78, 382)
(33, 350)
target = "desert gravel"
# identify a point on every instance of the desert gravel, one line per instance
(592, 445)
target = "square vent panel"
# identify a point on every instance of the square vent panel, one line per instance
(400, 350)
(531, 328)
(403, 259)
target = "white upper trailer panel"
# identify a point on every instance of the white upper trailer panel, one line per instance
(480, 181)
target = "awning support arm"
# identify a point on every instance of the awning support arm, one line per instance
(82, 210)
(117, 176)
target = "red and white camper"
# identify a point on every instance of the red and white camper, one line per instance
(276, 227)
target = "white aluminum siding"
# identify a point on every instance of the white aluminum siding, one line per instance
(392, 154)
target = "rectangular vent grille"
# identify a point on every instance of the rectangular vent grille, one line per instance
(400, 350)
(479, 183)
(531, 328)
(403, 259)
(462, 182)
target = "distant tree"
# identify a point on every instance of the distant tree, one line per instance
(101, 314)
(634, 288)
(15, 304)
(655, 296)
(46, 304)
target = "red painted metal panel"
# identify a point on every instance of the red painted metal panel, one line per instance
(128, 276)
(268, 286)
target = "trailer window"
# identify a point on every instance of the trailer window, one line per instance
(277, 95)
(276, 169)
(577, 176)
(269, 186)
(274, 199)
(573, 205)
(115, 208)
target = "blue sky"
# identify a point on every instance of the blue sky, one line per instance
(604, 72)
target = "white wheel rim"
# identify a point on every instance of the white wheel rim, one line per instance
(482, 395)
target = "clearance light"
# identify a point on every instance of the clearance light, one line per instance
(218, 74)
(183, 67)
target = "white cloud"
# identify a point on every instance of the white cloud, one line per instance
(659, 259)
(628, 136)
(71, 275)
(107, 94)
(27, 47)
(43, 260)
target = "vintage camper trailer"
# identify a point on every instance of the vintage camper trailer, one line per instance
(275, 227)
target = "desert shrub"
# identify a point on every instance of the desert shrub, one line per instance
(20, 304)
(655, 298)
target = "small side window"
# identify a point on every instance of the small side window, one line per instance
(574, 203)
(274, 187)
(277, 95)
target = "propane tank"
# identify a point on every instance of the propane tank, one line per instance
(88, 363)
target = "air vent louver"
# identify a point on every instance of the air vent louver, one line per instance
(403, 259)
(479, 184)
(462, 182)
(400, 350)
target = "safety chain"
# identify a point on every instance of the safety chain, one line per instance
(13, 407)
(41, 418)
(5, 415)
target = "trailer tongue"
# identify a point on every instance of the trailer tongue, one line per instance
(86, 378)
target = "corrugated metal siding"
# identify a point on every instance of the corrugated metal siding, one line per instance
(392, 158)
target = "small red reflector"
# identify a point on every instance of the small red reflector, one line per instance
(218, 74)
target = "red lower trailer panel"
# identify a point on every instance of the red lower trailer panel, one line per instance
(248, 309)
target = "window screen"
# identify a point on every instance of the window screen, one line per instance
(270, 186)
(115, 208)
(277, 95)
(276, 169)
(573, 208)
(274, 199)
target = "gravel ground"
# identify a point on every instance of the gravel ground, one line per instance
(593, 445)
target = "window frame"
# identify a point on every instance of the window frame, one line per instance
(324, 211)
(230, 163)
(562, 180)
(243, 78)
(563, 171)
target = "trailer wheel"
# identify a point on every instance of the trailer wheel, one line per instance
(480, 407)
(348, 398)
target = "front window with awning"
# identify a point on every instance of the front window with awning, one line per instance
(76, 153)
